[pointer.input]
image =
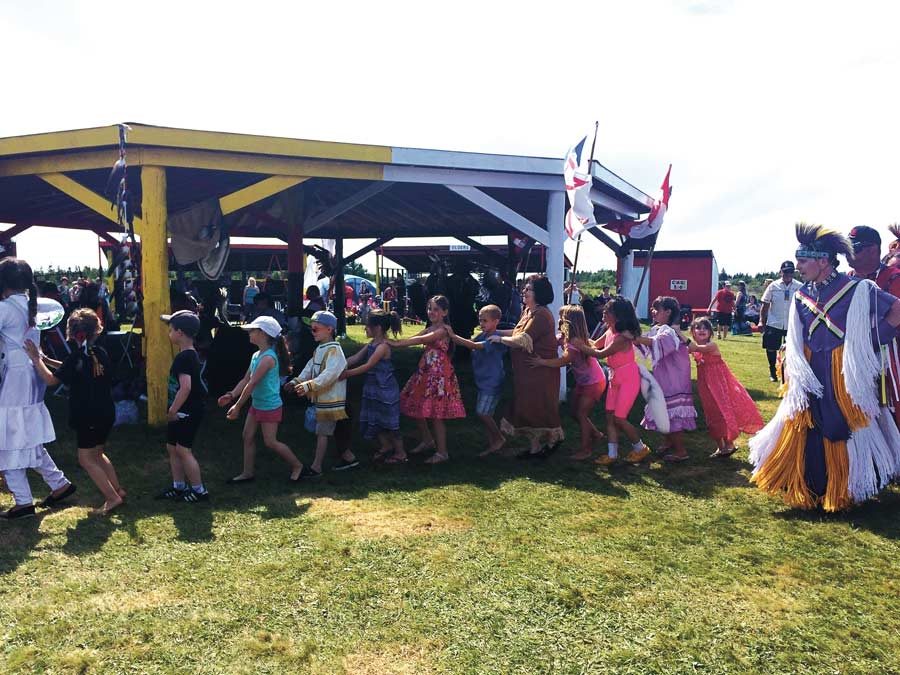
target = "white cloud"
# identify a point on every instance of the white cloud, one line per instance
(770, 112)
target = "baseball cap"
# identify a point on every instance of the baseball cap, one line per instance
(266, 324)
(325, 318)
(787, 267)
(184, 320)
(863, 235)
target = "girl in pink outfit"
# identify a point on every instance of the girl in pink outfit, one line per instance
(590, 381)
(432, 393)
(727, 406)
(625, 381)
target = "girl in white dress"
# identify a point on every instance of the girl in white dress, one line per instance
(25, 423)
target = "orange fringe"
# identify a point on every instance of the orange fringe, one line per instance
(837, 469)
(856, 418)
(782, 473)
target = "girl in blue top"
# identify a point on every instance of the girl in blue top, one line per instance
(261, 384)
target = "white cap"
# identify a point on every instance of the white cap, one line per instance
(266, 324)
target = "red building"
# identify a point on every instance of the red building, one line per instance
(691, 277)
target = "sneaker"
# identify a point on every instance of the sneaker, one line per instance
(637, 456)
(172, 493)
(16, 512)
(606, 460)
(309, 472)
(192, 496)
(772, 378)
(343, 466)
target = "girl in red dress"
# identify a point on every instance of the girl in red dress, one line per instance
(727, 406)
(432, 393)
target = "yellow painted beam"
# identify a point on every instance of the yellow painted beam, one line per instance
(83, 195)
(60, 140)
(272, 166)
(266, 145)
(190, 159)
(155, 285)
(257, 192)
(60, 163)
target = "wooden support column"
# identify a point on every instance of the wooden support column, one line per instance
(155, 284)
(556, 214)
(340, 309)
(293, 202)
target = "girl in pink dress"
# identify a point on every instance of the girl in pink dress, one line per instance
(432, 393)
(625, 380)
(727, 406)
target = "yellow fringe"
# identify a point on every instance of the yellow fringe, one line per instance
(782, 473)
(837, 468)
(856, 418)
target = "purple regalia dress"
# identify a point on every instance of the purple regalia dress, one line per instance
(830, 444)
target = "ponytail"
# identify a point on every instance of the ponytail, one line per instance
(386, 322)
(32, 302)
(284, 355)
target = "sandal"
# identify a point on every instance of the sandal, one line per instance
(723, 452)
(437, 458)
(420, 448)
(393, 459)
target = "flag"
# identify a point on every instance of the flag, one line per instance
(577, 173)
(649, 226)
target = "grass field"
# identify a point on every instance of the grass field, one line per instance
(475, 566)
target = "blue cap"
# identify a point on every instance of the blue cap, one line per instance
(325, 318)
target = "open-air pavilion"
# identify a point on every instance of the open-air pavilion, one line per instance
(289, 189)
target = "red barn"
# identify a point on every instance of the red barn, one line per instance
(691, 277)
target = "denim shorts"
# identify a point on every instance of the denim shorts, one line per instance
(486, 404)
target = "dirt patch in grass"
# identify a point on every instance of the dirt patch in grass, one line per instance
(397, 659)
(124, 602)
(368, 521)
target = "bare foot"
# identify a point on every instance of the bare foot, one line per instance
(382, 453)
(492, 448)
(581, 456)
(295, 474)
(108, 507)
(122, 493)
(422, 447)
(437, 458)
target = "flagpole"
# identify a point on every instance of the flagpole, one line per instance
(578, 241)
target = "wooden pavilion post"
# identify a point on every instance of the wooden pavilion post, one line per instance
(340, 306)
(155, 284)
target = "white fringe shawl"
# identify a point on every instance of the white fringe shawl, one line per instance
(874, 451)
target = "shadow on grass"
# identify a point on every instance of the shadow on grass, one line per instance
(877, 516)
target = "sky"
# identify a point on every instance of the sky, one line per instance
(770, 112)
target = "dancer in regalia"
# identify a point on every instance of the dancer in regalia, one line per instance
(831, 443)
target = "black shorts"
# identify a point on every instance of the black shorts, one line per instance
(722, 318)
(183, 431)
(92, 434)
(773, 338)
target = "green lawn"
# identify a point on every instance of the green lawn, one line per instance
(496, 566)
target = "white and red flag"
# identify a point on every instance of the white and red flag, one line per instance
(577, 173)
(639, 229)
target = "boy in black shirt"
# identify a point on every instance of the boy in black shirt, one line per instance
(185, 410)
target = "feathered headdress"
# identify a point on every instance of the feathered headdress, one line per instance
(817, 241)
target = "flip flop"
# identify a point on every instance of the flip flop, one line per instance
(675, 459)
(725, 452)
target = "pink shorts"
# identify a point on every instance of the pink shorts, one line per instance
(624, 385)
(266, 415)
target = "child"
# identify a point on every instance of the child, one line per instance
(672, 369)
(625, 381)
(432, 393)
(380, 413)
(261, 384)
(590, 381)
(487, 365)
(320, 382)
(185, 410)
(727, 406)
(86, 371)
(27, 424)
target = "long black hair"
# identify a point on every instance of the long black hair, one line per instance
(16, 275)
(386, 321)
(626, 318)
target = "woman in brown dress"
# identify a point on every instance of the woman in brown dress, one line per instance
(534, 412)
